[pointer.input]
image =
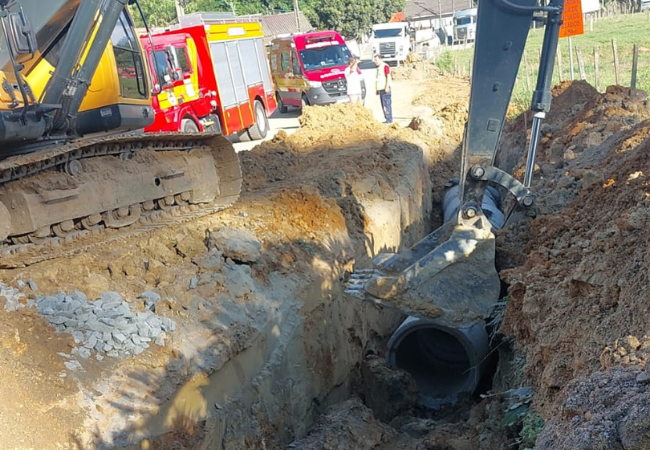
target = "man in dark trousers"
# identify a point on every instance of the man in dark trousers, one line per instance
(383, 84)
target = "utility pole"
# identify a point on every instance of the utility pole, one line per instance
(296, 12)
(179, 9)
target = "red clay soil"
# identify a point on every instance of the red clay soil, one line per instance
(578, 273)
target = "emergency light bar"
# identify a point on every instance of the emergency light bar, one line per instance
(321, 44)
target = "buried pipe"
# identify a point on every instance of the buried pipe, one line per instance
(445, 362)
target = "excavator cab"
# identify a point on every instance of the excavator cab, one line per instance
(74, 86)
(449, 277)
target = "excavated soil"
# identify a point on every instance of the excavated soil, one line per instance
(314, 203)
(573, 339)
(578, 295)
(304, 157)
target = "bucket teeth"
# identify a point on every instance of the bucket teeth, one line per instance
(356, 284)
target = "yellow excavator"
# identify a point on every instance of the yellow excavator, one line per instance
(74, 163)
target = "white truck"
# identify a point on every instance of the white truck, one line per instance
(391, 41)
(395, 40)
(465, 25)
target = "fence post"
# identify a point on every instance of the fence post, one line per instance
(560, 69)
(635, 61)
(596, 72)
(581, 63)
(616, 66)
(527, 72)
(571, 57)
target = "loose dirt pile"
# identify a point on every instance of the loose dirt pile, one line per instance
(416, 70)
(345, 141)
(578, 295)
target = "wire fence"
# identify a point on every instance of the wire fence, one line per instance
(614, 50)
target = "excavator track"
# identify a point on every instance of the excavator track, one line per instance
(70, 198)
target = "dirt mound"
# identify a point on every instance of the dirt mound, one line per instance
(333, 137)
(580, 285)
(607, 410)
(415, 70)
(451, 108)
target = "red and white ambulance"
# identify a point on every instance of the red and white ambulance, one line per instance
(308, 69)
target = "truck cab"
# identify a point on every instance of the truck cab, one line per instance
(308, 69)
(391, 40)
(465, 25)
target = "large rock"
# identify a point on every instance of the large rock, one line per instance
(238, 245)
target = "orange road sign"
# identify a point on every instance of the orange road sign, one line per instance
(572, 24)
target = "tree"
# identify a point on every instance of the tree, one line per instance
(159, 13)
(349, 17)
(352, 18)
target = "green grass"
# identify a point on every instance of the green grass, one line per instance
(626, 29)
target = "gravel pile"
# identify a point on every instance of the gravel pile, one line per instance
(14, 298)
(106, 325)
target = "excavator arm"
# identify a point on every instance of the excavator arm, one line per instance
(450, 275)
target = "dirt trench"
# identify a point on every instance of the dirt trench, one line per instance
(266, 353)
(230, 331)
(573, 338)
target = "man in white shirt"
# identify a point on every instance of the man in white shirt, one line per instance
(353, 77)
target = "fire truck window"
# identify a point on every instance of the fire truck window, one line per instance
(181, 58)
(295, 64)
(284, 61)
(163, 67)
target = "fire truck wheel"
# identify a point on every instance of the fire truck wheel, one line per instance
(261, 126)
(281, 106)
(188, 126)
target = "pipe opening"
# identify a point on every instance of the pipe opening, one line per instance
(444, 362)
(436, 360)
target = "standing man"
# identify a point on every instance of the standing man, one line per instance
(353, 75)
(383, 84)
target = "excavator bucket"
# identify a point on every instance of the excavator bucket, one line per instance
(449, 276)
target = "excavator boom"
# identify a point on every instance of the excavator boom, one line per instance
(449, 276)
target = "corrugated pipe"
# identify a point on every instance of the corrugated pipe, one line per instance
(445, 362)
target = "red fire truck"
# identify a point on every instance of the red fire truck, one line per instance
(212, 74)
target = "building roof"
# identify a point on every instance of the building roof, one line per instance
(284, 23)
(433, 8)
